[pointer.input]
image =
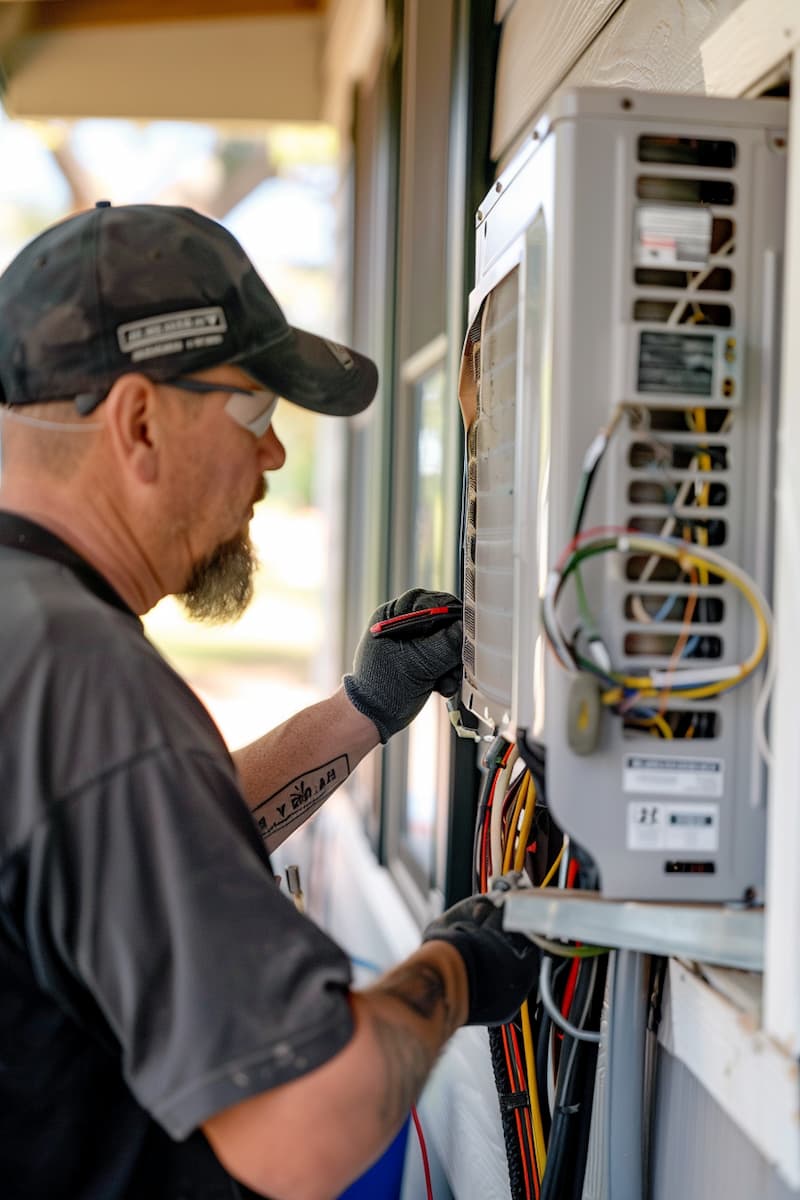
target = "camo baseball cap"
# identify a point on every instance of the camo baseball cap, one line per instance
(165, 291)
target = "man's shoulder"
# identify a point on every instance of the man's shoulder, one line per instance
(83, 692)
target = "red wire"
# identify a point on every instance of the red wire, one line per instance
(505, 1030)
(595, 531)
(423, 1149)
(484, 882)
(520, 1076)
(526, 1112)
(569, 990)
(572, 978)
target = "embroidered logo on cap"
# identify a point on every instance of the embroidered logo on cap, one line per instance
(341, 354)
(170, 333)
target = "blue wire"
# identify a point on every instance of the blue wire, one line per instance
(366, 964)
(664, 611)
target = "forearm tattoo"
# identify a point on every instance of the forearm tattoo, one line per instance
(408, 1063)
(297, 800)
(421, 988)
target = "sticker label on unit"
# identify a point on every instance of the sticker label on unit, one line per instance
(668, 234)
(662, 776)
(672, 826)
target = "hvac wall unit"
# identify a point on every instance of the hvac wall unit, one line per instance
(620, 374)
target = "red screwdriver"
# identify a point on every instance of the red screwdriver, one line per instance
(418, 623)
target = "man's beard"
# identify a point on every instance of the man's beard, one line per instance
(221, 587)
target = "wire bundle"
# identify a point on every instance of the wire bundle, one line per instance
(642, 698)
(541, 1075)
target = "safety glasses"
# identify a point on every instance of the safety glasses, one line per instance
(252, 408)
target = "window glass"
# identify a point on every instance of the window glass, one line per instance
(425, 744)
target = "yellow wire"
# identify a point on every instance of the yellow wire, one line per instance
(508, 849)
(539, 1144)
(528, 813)
(701, 499)
(539, 1148)
(644, 684)
(657, 724)
(554, 867)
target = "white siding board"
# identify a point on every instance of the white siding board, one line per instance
(751, 46)
(651, 45)
(539, 43)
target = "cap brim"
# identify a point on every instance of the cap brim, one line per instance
(316, 374)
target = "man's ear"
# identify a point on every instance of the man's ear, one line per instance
(132, 418)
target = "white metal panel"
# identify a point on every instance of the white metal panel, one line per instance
(782, 977)
(698, 1152)
(753, 1081)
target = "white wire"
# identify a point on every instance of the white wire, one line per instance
(677, 312)
(760, 712)
(639, 610)
(648, 542)
(551, 1072)
(637, 606)
(553, 1011)
(549, 614)
(564, 866)
(496, 824)
(44, 424)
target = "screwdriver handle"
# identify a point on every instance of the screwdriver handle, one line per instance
(418, 623)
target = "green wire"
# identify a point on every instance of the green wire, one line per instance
(563, 951)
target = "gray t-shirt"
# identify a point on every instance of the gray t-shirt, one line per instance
(152, 972)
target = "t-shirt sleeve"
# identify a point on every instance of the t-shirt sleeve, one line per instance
(152, 905)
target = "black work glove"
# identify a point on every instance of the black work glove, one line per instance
(392, 678)
(502, 966)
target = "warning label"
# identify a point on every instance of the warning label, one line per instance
(685, 827)
(662, 776)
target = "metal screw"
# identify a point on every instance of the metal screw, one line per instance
(498, 187)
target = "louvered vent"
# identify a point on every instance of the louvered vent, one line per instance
(488, 575)
(678, 458)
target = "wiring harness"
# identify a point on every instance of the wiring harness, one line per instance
(543, 1061)
(642, 698)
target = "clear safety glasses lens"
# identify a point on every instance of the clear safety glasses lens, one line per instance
(252, 410)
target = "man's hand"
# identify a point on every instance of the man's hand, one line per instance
(392, 679)
(502, 967)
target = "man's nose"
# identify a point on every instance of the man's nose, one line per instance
(272, 450)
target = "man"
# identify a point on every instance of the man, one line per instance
(168, 1022)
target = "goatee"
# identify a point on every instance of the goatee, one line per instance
(221, 587)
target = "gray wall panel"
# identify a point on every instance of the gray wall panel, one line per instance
(698, 1152)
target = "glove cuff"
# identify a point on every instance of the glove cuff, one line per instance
(362, 705)
(461, 940)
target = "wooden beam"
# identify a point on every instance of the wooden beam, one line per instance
(242, 68)
(47, 16)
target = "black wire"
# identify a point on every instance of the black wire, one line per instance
(491, 762)
(566, 1156)
(544, 1025)
(522, 1090)
(658, 969)
(516, 1178)
(534, 756)
(581, 513)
